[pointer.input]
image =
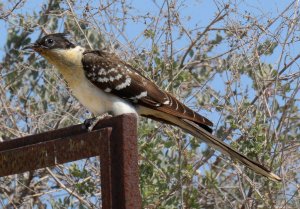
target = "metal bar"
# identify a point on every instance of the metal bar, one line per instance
(51, 152)
(105, 171)
(42, 137)
(119, 164)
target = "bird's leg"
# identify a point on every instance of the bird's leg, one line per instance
(92, 122)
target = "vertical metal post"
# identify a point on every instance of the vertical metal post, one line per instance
(119, 165)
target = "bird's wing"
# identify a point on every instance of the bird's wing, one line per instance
(109, 73)
(112, 75)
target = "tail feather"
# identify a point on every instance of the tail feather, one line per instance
(211, 140)
(225, 149)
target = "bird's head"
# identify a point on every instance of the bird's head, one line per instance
(51, 43)
(56, 48)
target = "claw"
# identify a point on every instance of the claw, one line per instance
(90, 123)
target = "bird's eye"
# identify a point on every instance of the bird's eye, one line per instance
(49, 42)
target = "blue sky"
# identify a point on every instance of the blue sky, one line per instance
(200, 13)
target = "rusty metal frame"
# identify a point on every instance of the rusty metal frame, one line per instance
(113, 139)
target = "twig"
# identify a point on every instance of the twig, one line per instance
(11, 11)
(217, 19)
(68, 190)
(75, 18)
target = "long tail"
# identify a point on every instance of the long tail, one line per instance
(211, 140)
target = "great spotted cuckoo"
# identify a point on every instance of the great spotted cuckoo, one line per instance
(103, 83)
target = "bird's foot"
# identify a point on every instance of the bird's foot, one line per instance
(90, 123)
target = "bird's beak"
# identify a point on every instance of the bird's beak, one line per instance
(33, 46)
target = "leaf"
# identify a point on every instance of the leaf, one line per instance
(191, 53)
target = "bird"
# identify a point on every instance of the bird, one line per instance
(104, 83)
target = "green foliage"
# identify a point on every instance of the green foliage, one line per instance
(149, 34)
(85, 187)
(232, 73)
(267, 47)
